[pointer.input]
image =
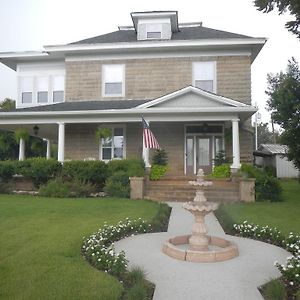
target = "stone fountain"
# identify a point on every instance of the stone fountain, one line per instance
(200, 247)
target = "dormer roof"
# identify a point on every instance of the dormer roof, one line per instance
(170, 14)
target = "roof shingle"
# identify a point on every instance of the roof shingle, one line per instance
(185, 33)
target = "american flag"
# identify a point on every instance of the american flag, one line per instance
(149, 139)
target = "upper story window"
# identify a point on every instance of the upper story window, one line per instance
(58, 83)
(26, 87)
(113, 80)
(42, 89)
(154, 31)
(40, 83)
(204, 75)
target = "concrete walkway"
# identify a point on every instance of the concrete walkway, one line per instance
(236, 279)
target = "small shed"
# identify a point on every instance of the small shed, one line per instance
(275, 155)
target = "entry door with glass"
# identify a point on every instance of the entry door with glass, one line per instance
(198, 154)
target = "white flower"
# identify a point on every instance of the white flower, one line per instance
(291, 283)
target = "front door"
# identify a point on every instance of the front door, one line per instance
(198, 154)
(204, 154)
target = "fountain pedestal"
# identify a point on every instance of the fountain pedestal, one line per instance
(199, 241)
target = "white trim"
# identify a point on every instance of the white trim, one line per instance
(207, 112)
(158, 54)
(156, 44)
(197, 91)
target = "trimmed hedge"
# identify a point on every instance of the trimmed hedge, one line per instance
(94, 172)
(7, 170)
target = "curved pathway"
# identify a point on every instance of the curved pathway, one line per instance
(235, 279)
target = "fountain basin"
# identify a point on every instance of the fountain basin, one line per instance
(222, 249)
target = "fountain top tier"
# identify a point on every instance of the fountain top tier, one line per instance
(200, 180)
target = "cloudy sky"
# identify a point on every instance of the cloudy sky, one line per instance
(31, 24)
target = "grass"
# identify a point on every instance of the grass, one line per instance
(283, 215)
(40, 241)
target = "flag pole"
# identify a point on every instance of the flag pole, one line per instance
(145, 153)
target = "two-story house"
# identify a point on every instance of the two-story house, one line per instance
(191, 83)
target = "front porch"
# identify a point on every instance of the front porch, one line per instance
(192, 125)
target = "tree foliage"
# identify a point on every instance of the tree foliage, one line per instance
(265, 136)
(293, 6)
(284, 103)
(8, 104)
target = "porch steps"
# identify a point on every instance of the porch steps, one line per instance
(178, 189)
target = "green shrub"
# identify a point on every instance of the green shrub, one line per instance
(266, 187)
(160, 157)
(135, 275)
(7, 170)
(81, 189)
(220, 158)
(39, 169)
(133, 167)
(275, 290)
(55, 188)
(94, 172)
(137, 292)
(118, 185)
(64, 189)
(157, 171)
(222, 171)
(161, 220)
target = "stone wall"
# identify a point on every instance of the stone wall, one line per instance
(152, 78)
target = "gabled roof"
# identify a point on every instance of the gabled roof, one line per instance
(211, 97)
(185, 33)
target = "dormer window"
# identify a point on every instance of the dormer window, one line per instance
(154, 31)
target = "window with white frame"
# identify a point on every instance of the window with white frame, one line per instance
(204, 76)
(154, 31)
(26, 86)
(58, 87)
(113, 80)
(113, 147)
(42, 89)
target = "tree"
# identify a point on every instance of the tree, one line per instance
(8, 104)
(284, 104)
(265, 136)
(293, 6)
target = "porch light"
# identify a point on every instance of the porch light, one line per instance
(36, 129)
(205, 128)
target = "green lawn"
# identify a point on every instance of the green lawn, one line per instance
(283, 215)
(40, 241)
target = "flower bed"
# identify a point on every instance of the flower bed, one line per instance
(291, 270)
(99, 251)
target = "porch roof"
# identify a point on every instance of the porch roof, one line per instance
(187, 104)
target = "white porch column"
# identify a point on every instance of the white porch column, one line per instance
(235, 146)
(61, 142)
(22, 149)
(48, 153)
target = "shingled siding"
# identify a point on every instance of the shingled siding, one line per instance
(80, 143)
(152, 78)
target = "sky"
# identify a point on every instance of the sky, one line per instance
(31, 24)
